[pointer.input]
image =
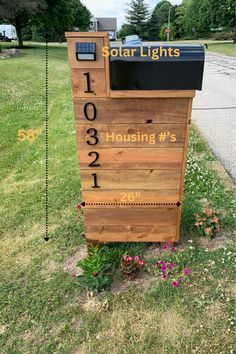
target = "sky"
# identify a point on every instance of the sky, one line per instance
(115, 8)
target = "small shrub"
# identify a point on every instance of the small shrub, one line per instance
(131, 266)
(97, 270)
(223, 36)
(208, 222)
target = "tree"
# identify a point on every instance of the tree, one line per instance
(223, 14)
(178, 23)
(138, 14)
(126, 30)
(159, 17)
(18, 13)
(82, 16)
(204, 17)
(163, 35)
(59, 16)
(56, 16)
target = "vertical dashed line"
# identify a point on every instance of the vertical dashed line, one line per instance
(46, 142)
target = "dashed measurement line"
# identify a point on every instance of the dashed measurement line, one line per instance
(131, 204)
(46, 142)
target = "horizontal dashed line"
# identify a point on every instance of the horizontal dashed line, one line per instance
(128, 204)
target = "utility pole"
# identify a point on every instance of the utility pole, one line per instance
(168, 27)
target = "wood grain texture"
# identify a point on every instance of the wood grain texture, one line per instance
(132, 196)
(97, 79)
(110, 111)
(134, 233)
(132, 158)
(106, 43)
(183, 169)
(131, 135)
(151, 93)
(86, 34)
(162, 216)
(132, 179)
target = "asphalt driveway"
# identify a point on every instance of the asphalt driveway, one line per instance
(214, 109)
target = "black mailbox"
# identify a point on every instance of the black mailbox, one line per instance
(176, 67)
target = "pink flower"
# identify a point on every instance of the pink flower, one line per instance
(163, 262)
(186, 271)
(207, 230)
(209, 212)
(215, 219)
(163, 268)
(165, 248)
(175, 284)
(173, 248)
(129, 258)
(156, 264)
(73, 275)
(204, 219)
(171, 265)
(141, 262)
(164, 276)
(136, 258)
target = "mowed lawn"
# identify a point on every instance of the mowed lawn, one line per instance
(42, 309)
(223, 48)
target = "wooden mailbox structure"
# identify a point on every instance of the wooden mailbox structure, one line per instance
(132, 147)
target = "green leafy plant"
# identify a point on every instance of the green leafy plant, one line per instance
(208, 222)
(131, 266)
(97, 270)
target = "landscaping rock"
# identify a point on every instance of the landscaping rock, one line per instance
(12, 52)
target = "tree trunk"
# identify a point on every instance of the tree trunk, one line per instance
(19, 33)
(235, 35)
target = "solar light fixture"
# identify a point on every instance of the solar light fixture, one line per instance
(85, 51)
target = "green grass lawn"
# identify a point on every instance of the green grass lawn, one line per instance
(43, 310)
(223, 48)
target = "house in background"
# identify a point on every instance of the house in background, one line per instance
(105, 24)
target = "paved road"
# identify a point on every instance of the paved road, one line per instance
(215, 109)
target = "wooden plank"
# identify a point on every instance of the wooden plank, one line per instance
(131, 158)
(106, 43)
(162, 216)
(131, 180)
(134, 233)
(79, 83)
(78, 64)
(132, 196)
(183, 169)
(159, 110)
(85, 34)
(131, 135)
(151, 93)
